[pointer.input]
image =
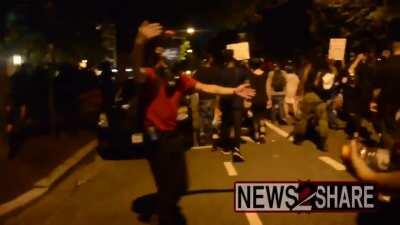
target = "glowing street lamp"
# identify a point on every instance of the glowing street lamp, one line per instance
(189, 51)
(83, 64)
(190, 30)
(17, 60)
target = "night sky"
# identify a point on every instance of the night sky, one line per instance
(280, 30)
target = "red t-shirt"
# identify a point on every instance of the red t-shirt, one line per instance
(162, 112)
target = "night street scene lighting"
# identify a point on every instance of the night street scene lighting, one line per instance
(215, 112)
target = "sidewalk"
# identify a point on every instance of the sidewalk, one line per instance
(39, 156)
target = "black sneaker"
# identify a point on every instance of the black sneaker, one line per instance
(237, 157)
(295, 140)
(282, 122)
(262, 140)
(321, 145)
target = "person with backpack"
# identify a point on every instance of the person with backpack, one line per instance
(276, 89)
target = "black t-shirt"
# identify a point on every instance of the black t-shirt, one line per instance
(232, 77)
(388, 79)
(206, 75)
(258, 82)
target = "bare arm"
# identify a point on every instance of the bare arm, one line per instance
(385, 180)
(243, 90)
(146, 32)
(355, 64)
(214, 89)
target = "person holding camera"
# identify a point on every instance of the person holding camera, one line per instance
(380, 167)
(163, 142)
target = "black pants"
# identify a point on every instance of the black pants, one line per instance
(167, 161)
(230, 118)
(258, 125)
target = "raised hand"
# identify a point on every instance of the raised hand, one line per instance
(245, 91)
(148, 31)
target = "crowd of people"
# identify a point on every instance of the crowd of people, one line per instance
(314, 96)
(234, 97)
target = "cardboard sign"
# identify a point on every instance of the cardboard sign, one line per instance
(241, 51)
(337, 48)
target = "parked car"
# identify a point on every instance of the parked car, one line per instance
(120, 135)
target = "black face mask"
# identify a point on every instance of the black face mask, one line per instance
(170, 77)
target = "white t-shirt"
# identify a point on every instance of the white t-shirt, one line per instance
(292, 83)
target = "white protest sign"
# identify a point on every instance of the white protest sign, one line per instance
(241, 50)
(337, 48)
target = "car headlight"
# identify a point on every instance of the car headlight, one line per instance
(125, 106)
(103, 120)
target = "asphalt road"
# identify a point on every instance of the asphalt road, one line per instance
(103, 192)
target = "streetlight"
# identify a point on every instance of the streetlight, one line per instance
(190, 30)
(189, 51)
(17, 60)
(83, 64)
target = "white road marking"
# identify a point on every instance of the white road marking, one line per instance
(247, 139)
(277, 129)
(253, 219)
(202, 147)
(230, 169)
(333, 163)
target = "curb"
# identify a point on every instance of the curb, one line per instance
(42, 186)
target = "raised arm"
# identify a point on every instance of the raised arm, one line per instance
(355, 64)
(146, 32)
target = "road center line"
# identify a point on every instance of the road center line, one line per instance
(333, 163)
(247, 139)
(253, 219)
(230, 169)
(277, 129)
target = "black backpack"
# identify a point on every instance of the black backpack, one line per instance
(278, 81)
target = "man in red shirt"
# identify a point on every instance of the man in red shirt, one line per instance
(164, 145)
